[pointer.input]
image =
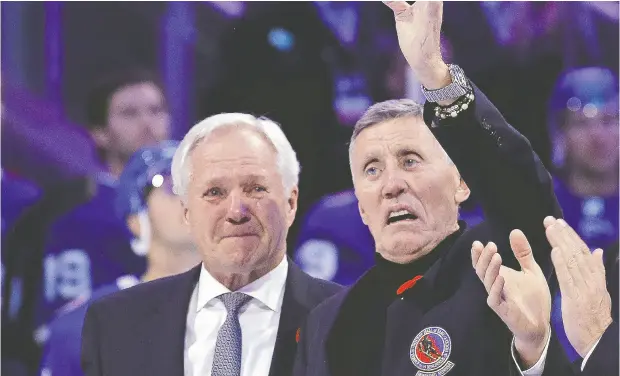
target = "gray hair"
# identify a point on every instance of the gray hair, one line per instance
(287, 162)
(385, 111)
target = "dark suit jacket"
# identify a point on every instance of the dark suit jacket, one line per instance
(515, 191)
(141, 330)
(604, 358)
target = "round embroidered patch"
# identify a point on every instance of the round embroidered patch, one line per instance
(430, 351)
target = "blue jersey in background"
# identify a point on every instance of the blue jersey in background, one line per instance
(61, 354)
(334, 244)
(85, 249)
(17, 195)
(594, 218)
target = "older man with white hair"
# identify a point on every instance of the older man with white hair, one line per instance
(238, 312)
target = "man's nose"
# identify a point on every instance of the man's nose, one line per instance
(394, 186)
(238, 210)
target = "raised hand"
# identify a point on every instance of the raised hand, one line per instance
(586, 304)
(520, 298)
(418, 27)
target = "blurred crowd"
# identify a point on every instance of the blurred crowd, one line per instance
(101, 81)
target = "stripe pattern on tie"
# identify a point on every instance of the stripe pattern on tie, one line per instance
(227, 357)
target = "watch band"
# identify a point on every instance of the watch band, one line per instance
(456, 89)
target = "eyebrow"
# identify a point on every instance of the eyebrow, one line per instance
(401, 152)
(252, 178)
(405, 151)
(368, 159)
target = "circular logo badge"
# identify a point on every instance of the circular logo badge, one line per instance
(430, 349)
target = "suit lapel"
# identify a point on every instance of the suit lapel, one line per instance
(295, 307)
(165, 327)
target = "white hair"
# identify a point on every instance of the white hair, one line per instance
(287, 162)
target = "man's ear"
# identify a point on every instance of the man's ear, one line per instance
(462, 192)
(292, 206)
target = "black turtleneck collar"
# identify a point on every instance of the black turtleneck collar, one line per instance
(364, 311)
(394, 274)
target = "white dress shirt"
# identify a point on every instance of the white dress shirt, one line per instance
(585, 360)
(538, 368)
(259, 320)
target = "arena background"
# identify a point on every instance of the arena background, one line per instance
(312, 67)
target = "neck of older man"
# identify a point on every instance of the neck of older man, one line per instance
(234, 281)
(415, 254)
(164, 261)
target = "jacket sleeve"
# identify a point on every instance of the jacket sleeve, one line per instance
(557, 362)
(91, 357)
(604, 358)
(502, 170)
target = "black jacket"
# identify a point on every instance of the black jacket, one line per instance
(445, 316)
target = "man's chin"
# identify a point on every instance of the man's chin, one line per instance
(403, 248)
(241, 244)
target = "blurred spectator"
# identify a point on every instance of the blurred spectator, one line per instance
(89, 246)
(125, 112)
(154, 215)
(22, 249)
(583, 125)
(334, 244)
(514, 50)
(18, 195)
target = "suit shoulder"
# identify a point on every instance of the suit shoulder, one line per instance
(311, 290)
(136, 296)
(326, 288)
(331, 304)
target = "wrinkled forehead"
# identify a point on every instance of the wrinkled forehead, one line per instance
(394, 137)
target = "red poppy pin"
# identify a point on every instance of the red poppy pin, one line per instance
(297, 335)
(407, 285)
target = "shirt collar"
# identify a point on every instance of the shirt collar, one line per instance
(268, 289)
(429, 266)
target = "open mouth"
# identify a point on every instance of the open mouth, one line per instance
(400, 216)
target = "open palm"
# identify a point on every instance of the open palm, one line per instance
(522, 304)
(520, 298)
(418, 27)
